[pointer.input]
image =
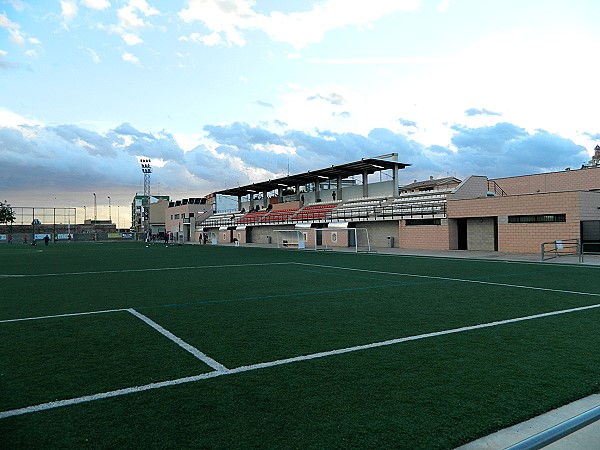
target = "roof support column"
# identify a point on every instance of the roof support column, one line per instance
(395, 180)
(239, 202)
(317, 190)
(365, 179)
(265, 199)
(339, 187)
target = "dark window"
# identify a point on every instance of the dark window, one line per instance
(410, 222)
(540, 218)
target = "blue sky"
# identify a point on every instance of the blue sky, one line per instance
(221, 92)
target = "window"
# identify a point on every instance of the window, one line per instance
(540, 218)
(410, 222)
(176, 216)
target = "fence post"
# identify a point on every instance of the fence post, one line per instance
(542, 250)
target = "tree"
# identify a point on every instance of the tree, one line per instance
(7, 215)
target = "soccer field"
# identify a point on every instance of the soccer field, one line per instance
(127, 346)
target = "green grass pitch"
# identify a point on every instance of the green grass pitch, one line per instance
(119, 345)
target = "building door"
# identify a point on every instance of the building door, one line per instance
(461, 227)
(495, 234)
(590, 236)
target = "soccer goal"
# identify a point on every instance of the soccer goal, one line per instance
(290, 239)
(356, 239)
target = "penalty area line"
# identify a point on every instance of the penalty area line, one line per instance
(151, 269)
(457, 280)
(189, 348)
(106, 311)
(279, 362)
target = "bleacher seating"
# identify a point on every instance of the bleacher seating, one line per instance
(280, 215)
(252, 216)
(314, 211)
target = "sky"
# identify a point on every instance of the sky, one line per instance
(220, 93)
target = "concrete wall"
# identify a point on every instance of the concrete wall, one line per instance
(378, 233)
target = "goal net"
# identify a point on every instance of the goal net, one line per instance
(356, 239)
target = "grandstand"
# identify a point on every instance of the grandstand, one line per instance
(512, 215)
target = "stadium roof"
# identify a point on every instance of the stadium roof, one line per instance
(368, 165)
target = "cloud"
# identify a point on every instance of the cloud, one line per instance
(265, 104)
(5, 22)
(131, 58)
(481, 112)
(18, 5)
(68, 10)
(96, 4)
(70, 158)
(16, 37)
(94, 55)
(505, 150)
(131, 39)
(407, 123)
(333, 98)
(445, 5)
(128, 15)
(231, 18)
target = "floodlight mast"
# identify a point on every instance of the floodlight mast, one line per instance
(146, 170)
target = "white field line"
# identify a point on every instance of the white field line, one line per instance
(279, 362)
(63, 315)
(156, 269)
(458, 280)
(193, 350)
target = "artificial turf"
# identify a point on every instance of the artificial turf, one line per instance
(246, 306)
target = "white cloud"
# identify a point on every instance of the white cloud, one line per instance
(5, 22)
(130, 58)
(10, 119)
(16, 37)
(208, 40)
(96, 4)
(94, 55)
(131, 39)
(3, 53)
(18, 5)
(229, 19)
(68, 9)
(444, 5)
(128, 17)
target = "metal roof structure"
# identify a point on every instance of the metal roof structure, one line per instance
(360, 167)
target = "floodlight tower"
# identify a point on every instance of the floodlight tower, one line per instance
(146, 170)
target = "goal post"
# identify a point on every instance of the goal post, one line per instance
(356, 239)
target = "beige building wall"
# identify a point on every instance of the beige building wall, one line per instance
(426, 237)
(567, 180)
(523, 237)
